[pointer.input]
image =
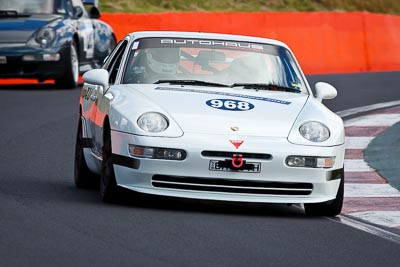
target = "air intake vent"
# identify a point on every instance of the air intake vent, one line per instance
(231, 186)
(223, 154)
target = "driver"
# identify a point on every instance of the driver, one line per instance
(163, 60)
(153, 64)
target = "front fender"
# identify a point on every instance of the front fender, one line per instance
(316, 111)
(128, 105)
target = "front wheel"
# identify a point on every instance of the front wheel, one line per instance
(71, 74)
(330, 208)
(83, 177)
(108, 186)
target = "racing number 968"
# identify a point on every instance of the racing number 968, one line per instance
(230, 104)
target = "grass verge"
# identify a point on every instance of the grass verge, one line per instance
(149, 6)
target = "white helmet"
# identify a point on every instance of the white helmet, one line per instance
(163, 60)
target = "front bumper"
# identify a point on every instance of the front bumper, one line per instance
(42, 67)
(191, 178)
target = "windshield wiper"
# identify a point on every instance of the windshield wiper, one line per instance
(11, 13)
(192, 82)
(266, 86)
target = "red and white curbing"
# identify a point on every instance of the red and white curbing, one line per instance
(368, 196)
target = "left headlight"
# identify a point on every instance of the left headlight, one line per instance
(314, 131)
(153, 122)
(44, 37)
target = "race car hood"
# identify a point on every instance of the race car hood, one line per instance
(18, 29)
(226, 110)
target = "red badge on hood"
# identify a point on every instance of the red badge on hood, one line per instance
(236, 143)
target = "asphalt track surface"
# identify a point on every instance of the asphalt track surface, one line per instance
(383, 153)
(46, 221)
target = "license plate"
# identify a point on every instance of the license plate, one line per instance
(221, 165)
(3, 60)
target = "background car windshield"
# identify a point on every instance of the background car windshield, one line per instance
(216, 61)
(34, 6)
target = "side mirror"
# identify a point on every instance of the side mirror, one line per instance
(94, 13)
(97, 77)
(78, 12)
(91, 2)
(325, 91)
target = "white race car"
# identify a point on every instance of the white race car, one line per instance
(209, 116)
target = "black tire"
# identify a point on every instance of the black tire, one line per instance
(71, 74)
(109, 190)
(330, 208)
(83, 177)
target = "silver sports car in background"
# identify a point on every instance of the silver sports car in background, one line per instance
(209, 116)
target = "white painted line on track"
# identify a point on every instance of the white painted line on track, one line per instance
(367, 227)
(374, 120)
(370, 190)
(354, 111)
(356, 165)
(385, 218)
(357, 142)
(369, 221)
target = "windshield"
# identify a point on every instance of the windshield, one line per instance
(211, 61)
(28, 7)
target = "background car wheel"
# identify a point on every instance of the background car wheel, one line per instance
(108, 186)
(83, 177)
(331, 208)
(71, 74)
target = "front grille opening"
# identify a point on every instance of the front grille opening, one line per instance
(225, 154)
(15, 69)
(231, 186)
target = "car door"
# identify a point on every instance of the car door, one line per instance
(102, 97)
(85, 29)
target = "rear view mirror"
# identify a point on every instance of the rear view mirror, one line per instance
(204, 58)
(210, 56)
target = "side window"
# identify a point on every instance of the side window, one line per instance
(70, 10)
(77, 3)
(62, 7)
(113, 65)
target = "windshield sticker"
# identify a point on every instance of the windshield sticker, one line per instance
(230, 104)
(214, 43)
(236, 45)
(272, 100)
(297, 85)
(135, 45)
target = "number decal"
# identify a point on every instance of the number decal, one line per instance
(87, 91)
(215, 103)
(230, 104)
(243, 105)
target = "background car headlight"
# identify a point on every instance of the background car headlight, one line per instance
(153, 122)
(314, 131)
(45, 36)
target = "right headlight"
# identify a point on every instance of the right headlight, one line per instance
(44, 37)
(314, 131)
(153, 122)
